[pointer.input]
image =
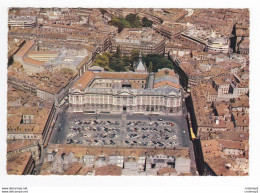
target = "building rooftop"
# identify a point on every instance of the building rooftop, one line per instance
(110, 170)
(17, 164)
(80, 150)
(33, 62)
(85, 170)
(88, 76)
(241, 119)
(51, 82)
(222, 109)
(229, 144)
(215, 158)
(241, 102)
(166, 83)
(166, 170)
(42, 52)
(165, 72)
(122, 75)
(73, 169)
(22, 18)
(26, 47)
(18, 97)
(19, 144)
(203, 111)
(14, 44)
(84, 80)
(139, 36)
(14, 122)
(222, 80)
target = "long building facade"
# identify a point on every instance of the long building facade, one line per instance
(144, 39)
(106, 101)
(130, 92)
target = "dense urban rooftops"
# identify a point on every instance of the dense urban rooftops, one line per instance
(59, 38)
(16, 165)
(79, 151)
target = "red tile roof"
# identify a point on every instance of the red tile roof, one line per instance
(33, 62)
(122, 75)
(110, 170)
(42, 52)
(17, 164)
(166, 83)
(26, 47)
(84, 80)
(73, 169)
(19, 144)
(164, 72)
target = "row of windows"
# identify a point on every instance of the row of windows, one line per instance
(29, 137)
(130, 100)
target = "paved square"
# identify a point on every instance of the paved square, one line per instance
(121, 130)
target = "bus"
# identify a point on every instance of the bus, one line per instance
(192, 135)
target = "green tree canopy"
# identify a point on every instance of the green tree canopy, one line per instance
(102, 60)
(134, 55)
(119, 63)
(146, 22)
(130, 21)
(158, 62)
(150, 67)
(102, 10)
(134, 20)
(118, 52)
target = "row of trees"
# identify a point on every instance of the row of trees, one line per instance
(130, 21)
(117, 62)
(155, 62)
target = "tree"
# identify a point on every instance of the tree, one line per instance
(126, 60)
(134, 20)
(102, 10)
(119, 22)
(108, 54)
(137, 23)
(130, 18)
(114, 21)
(134, 55)
(102, 60)
(130, 21)
(128, 68)
(146, 22)
(118, 52)
(150, 67)
(117, 64)
(169, 65)
(123, 24)
(158, 62)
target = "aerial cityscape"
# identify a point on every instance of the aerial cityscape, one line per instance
(127, 91)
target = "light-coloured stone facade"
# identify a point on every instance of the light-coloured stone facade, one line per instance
(157, 93)
(117, 101)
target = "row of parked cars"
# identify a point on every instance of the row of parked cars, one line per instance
(135, 133)
(96, 122)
